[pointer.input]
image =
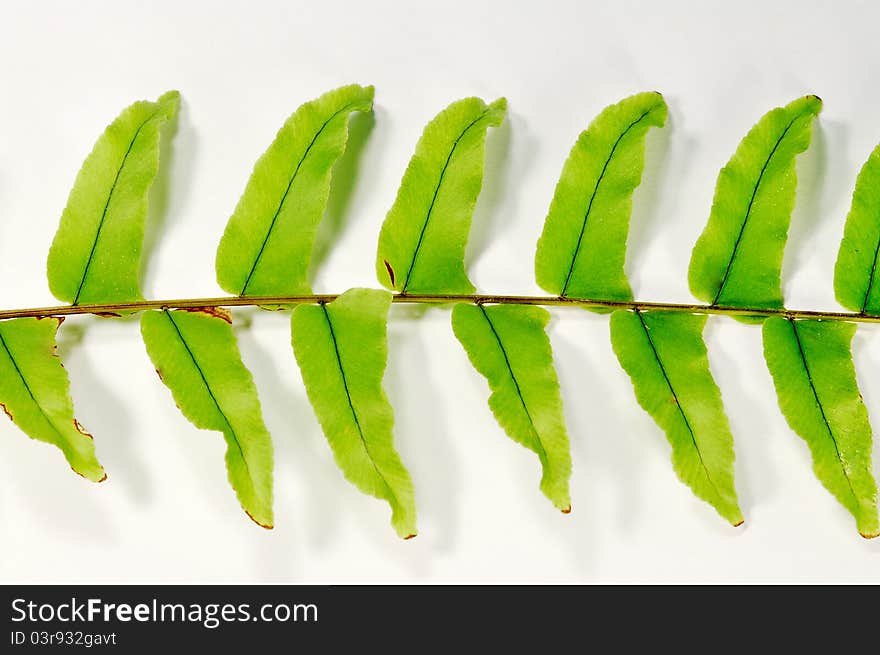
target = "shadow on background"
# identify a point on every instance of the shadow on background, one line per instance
(422, 437)
(812, 168)
(342, 187)
(105, 415)
(648, 211)
(174, 173)
(745, 402)
(485, 221)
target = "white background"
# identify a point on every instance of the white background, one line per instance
(167, 514)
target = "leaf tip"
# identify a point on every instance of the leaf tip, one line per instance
(367, 94)
(412, 535)
(869, 535)
(170, 97)
(499, 105)
(657, 97)
(91, 479)
(267, 526)
(738, 523)
(567, 509)
(815, 102)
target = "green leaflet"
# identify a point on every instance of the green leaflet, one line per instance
(737, 259)
(508, 345)
(855, 273)
(815, 380)
(267, 245)
(582, 249)
(423, 238)
(35, 392)
(665, 357)
(197, 358)
(341, 348)
(95, 257)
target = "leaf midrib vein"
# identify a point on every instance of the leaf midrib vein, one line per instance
(754, 195)
(418, 247)
(678, 405)
(815, 392)
(543, 452)
(113, 187)
(354, 414)
(580, 239)
(864, 306)
(213, 397)
(27, 387)
(299, 164)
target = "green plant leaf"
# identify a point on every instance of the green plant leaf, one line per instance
(815, 380)
(341, 348)
(855, 274)
(665, 357)
(737, 259)
(95, 257)
(267, 245)
(35, 392)
(197, 357)
(508, 345)
(582, 249)
(423, 238)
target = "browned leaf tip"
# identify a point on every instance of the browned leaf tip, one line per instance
(741, 521)
(268, 526)
(567, 510)
(390, 271)
(216, 312)
(6, 411)
(410, 536)
(104, 477)
(869, 535)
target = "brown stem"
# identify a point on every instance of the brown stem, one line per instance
(435, 299)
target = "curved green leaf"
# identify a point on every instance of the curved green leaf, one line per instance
(267, 245)
(737, 259)
(423, 238)
(855, 274)
(197, 357)
(665, 357)
(35, 392)
(507, 344)
(582, 249)
(95, 257)
(815, 380)
(341, 348)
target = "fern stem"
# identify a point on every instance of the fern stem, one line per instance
(479, 299)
